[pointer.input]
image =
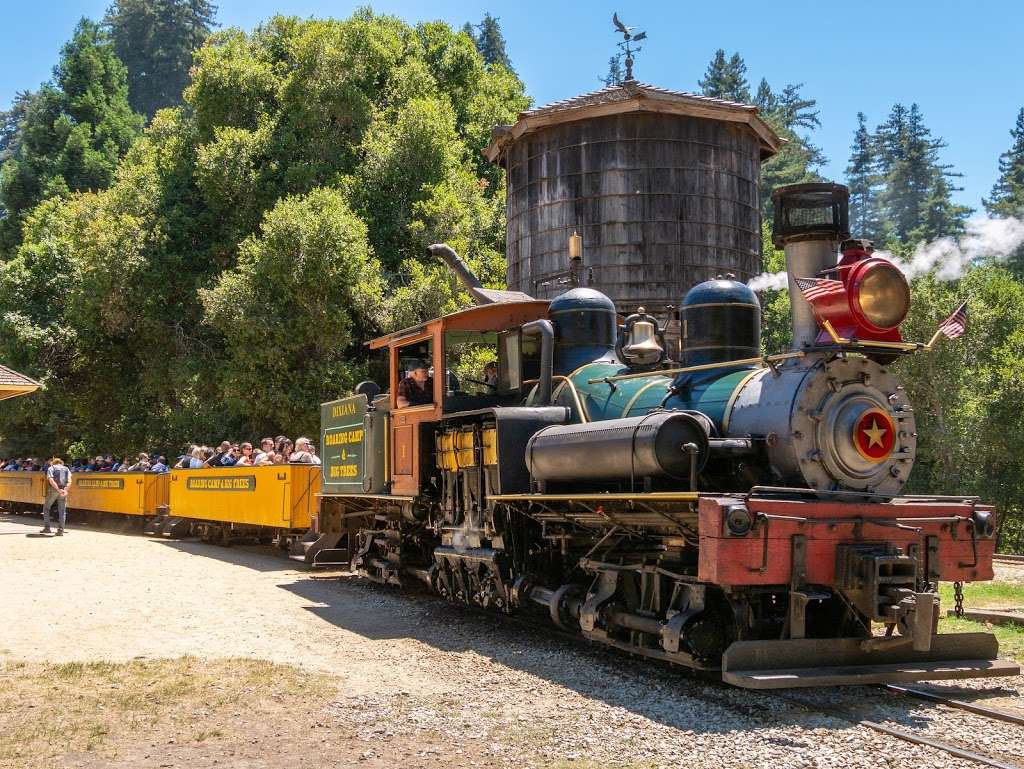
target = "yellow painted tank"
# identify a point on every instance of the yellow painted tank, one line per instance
(278, 496)
(142, 494)
(22, 488)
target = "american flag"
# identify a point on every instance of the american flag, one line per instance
(812, 288)
(956, 324)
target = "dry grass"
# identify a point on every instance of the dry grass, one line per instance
(97, 711)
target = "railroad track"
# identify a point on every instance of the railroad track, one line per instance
(959, 750)
(709, 693)
(1008, 558)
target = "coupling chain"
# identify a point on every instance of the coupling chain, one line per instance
(958, 599)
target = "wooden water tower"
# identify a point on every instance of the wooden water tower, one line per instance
(661, 185)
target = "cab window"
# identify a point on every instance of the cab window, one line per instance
(415, 375)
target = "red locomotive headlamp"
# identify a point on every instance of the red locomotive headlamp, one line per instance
(879, 295)
(869, 301)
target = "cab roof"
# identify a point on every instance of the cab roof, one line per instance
(498, 316)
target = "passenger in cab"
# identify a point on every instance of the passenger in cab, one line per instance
(417, 389)
(491, 375)
(160, 466)
(126, 465)
(304, 453)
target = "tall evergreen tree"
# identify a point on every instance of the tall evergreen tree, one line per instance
(155, 40)
(489, 41)
(1008, 191)
(11, 122)
(799, 158)
(615, 73)
(862, 179)
(726, 79)
(72, 133)
(917, 198)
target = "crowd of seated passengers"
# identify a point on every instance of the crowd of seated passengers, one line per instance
(279, 451)
(272, 451)
(11, 465)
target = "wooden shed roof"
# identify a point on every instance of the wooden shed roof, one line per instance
(13, 384)
(632, 96)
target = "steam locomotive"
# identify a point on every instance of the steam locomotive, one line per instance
(728, 511)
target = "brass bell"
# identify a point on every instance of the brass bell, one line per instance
(641, 345)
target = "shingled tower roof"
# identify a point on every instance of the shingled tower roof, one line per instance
(632, 96)
(13, 384)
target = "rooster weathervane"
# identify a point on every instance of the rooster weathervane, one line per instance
(627, 38)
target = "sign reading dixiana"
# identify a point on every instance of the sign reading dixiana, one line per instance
(341, 435)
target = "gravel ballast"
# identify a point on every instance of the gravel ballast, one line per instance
(424, 683)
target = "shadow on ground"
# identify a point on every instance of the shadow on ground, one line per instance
(645, 687)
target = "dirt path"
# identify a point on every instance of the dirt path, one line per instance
(418, 683)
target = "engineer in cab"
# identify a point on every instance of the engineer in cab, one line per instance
(417, 389)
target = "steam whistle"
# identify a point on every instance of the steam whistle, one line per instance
(575, 259)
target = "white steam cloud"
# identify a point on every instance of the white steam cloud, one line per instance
(768, 280)
(950, 257)
(984, 238)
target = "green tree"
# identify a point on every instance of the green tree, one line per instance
(489, 41)
(11, 122)
(798, 160)
(292, 311)
(615, 74)
(917, 196)
(726, 78)
(970, 429)
(776, 317)
(155, 40)
(862, 179)
(72, 133)
(1008, 192)
(305, 149)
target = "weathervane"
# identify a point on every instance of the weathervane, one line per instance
(627, 38)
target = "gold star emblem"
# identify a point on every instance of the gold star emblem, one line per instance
(875, 434)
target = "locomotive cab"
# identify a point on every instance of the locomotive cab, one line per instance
(450, 344)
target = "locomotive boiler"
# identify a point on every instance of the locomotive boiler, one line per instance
(728, 511)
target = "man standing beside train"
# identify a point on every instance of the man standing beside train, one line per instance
(58, 479)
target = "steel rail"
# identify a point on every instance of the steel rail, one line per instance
(1008, 558)
(902, 734)
(970, 707)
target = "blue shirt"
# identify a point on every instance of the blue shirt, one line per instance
(159, 467)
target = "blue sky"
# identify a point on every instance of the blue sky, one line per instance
(959, 60)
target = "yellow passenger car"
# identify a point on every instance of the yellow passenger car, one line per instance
(142, 494)
(276, 496)
(22, 490)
